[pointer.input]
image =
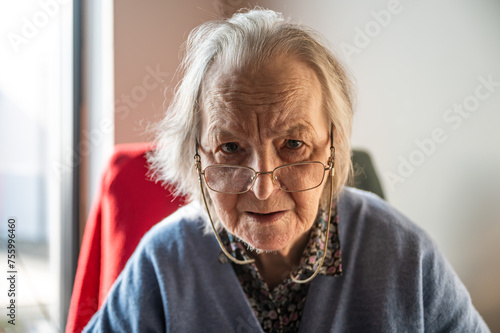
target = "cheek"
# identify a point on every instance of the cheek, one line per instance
(306, 205)
(225, 207)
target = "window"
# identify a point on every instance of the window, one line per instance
(37, 169)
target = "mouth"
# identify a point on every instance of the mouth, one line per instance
(266, 217)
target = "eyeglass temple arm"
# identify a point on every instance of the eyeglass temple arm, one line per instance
(331, 159)
(331, 162)
(197, 159)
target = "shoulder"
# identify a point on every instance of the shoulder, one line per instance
(362, 212)
(179, 233)
(382, 248)
(388, 259)
(375, 236)
(359, 204)
(187, 219)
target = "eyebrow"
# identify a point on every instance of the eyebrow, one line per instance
(302, 129)
(222, 134)
(299, 130)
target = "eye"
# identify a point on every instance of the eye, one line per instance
(230, 147)
(293, 144)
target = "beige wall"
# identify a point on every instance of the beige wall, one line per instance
(148, 36)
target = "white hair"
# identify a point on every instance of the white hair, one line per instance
(248, 38)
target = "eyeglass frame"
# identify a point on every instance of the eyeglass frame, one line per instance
(258, 173)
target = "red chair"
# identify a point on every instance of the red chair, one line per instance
(127, 206)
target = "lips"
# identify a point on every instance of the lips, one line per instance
(266, 217)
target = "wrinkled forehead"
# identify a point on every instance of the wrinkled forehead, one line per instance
(283, 91)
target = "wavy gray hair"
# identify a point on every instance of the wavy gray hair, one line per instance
(248, 38)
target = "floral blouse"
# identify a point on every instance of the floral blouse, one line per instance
(280, 309)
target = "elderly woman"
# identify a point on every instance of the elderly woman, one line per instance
(258, 133)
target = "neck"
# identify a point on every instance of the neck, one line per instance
(275, 267)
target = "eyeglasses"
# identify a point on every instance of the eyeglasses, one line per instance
(294, 177)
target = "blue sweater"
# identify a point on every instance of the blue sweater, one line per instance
(394, 280)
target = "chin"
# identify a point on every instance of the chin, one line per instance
(267, 242)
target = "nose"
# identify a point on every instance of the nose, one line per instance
(264, 186)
